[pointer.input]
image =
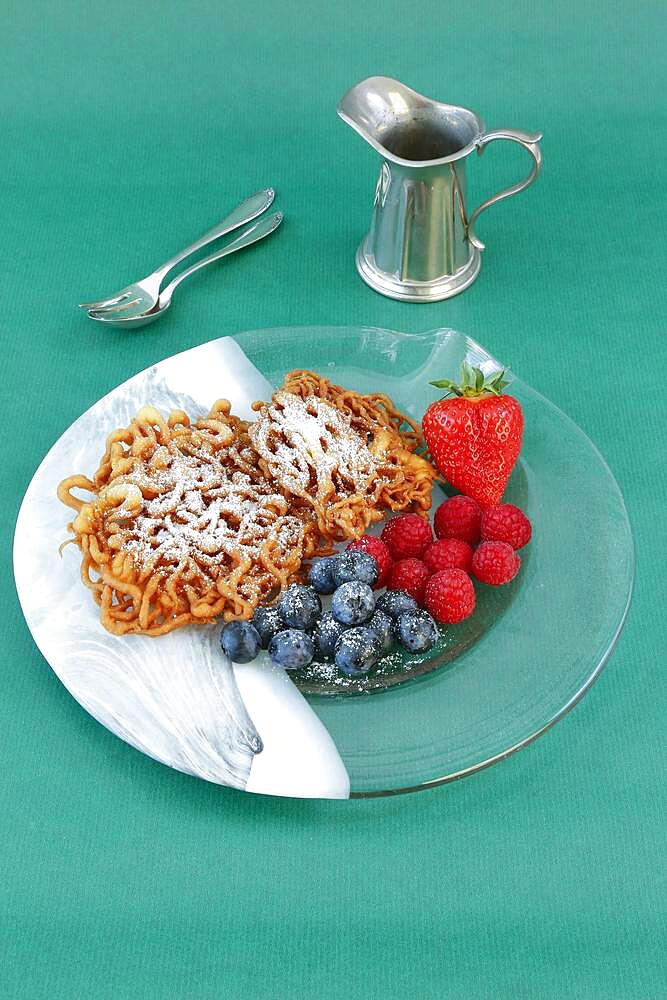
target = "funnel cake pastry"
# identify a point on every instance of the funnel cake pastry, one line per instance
(190, 521)
(182, 526)
(350, 458)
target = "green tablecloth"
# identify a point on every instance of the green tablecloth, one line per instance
(128, 128)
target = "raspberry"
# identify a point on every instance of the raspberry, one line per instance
(450, 596)
(376, 548)
(459, 517)
(506, 523)
(448, 553)
(495, 563)
(407, 535)
(410, 576)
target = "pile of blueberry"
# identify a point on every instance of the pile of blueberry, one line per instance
(355, 632)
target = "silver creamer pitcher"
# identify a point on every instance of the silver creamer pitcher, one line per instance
(421, 246)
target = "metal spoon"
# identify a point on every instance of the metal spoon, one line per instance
(140, 316)
(143, 295)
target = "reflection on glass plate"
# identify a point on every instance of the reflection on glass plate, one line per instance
(492, 684)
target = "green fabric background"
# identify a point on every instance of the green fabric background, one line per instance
(128, 128)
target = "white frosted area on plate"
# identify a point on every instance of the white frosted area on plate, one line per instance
(175, 697)
(293, 740)
(227, 374)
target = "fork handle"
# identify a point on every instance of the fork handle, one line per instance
(257, 231)
(245, 212)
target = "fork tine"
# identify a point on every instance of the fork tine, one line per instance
(103, 303)
(120, 308)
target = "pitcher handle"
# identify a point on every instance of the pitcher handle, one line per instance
(531, 142)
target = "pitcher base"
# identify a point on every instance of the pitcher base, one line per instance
(417, 291)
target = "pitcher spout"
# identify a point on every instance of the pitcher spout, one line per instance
(406, 127)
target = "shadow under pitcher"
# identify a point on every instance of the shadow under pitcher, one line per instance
(421, 246)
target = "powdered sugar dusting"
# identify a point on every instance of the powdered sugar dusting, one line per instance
(308, 443)
(195, 506)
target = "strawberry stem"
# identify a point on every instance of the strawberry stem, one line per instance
(474, 382)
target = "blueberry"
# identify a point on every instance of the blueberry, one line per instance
(291, 649)
(326, 633)
(355, 565)
(357, 651)
(417, 631)
(320, 575)
(240, 641)
(267, 621)
(353, 603)
(299, 606)
(395, 602)
(382, 625)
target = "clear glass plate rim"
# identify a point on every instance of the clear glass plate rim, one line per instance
(472, 344)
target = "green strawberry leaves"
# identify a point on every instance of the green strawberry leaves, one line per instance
(475, 383)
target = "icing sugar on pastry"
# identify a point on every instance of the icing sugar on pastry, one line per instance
(187, 521)
(308, 444)
(348, 457)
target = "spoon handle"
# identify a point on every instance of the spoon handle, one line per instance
(245, 212)
(264, 227)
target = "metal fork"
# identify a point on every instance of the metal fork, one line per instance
(142, 296)
(135, 316)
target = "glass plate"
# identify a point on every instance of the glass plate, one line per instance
(493, 684)
(532, 649)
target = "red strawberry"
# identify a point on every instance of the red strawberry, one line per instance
(475, 437)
